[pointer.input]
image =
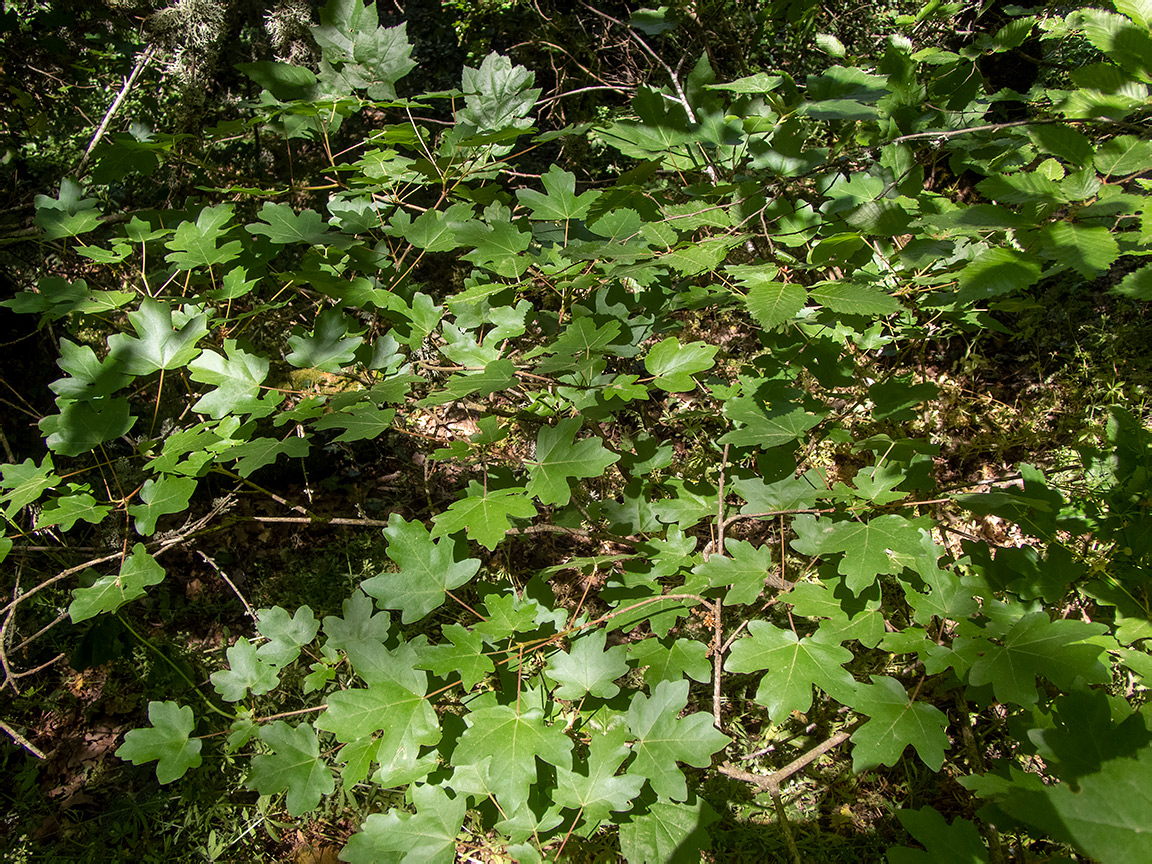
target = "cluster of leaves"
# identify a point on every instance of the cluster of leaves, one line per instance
(797, 212)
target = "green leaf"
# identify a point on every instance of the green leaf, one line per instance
(869, 547)
(428, 836)
(237, 376)
(765, 426)
(427, 570)
(1088, 249)
(671, 662)
(588, 668)
(25, 483)
(995, 272)
(329, 347)
(1058, 650)
(1124, 155)
(498, 95)
(359, 629)
(82, 426)
(895, 722)
(513, 739)
(167, 337)
(67, 509)
(167, 741)
(406, 718)
(773, 303)
(664, 738)
(286, 634)
(294, 767)
(667, 833)
(558, 457)
(674, 364)
(1063, 141)
(258, 452)
(109, 593)
(282, 225)
(850, 298)
(67, 215)
(484, 514)
(371, 57)
(593, 787)
(958, 843)
(792, 667)
(746, 571)
(465, 656)
(360, 422)
(1137, 284)
(246, 672)
(89, 378)
(161, 497)
(284, 81)
(194, 243)
(561, 203)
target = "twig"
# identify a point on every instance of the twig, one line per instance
(320, 520)
(140, 64)
(717, 660)
(21, 740)
(231, 585)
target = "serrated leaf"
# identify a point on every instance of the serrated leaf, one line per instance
(849, 298)
(1137, 284)
(792, 667)
(294, 767)
(109, 593)
(664, 738)
(485, 514)
(895, 722)
(513, 739)
(773, 303)
(559, 457)
(428, 836)
(246, 671)
(995, 272)
(1088, 249)
(497, 95)
(286, 634)
(167, 741)
(588, 668)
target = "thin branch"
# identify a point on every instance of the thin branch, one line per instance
(231, 585)
(140, 64)
(21, 740)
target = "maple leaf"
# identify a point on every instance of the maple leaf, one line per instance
(110, 592)
(512, 740)
(246, 672)
(294, 767)
(166, 741)
(588, 668)
(427, 570)
(793, 666)
(167, 337)
(558, 458)
(561, 203)
(286, 634)
(868, 546)
(1035, 646)
(671, 662)
(428, 836)
(664, 738)
(358, 628)
(958, 843)
(465, 656)
(484, 514)
(895, 722)
(161, 497)
(593, 787)
(672, 833)
(746, 571)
